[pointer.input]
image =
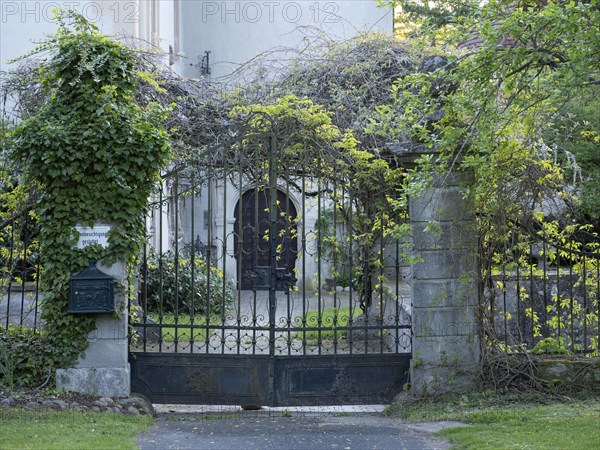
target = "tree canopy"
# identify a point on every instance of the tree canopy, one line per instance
(528, 77)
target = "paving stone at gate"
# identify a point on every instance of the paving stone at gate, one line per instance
(276, 432)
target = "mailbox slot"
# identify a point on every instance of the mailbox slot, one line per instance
(91, 291)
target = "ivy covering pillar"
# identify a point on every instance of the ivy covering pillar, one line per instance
(93, 153)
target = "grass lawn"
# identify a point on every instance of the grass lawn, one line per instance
(25, 429)
(574, 427)
(511, 421)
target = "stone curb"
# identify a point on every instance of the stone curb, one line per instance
(135, 406)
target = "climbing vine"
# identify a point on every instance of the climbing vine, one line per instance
(519, 74)
(362, 188)
(94, 154)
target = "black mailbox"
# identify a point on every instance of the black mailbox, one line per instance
(91, 291)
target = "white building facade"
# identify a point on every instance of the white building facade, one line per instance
(232, 31)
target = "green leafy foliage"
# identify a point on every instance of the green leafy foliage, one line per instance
(550, 346)
(520, 113)
(576, 131)
(94, 154)
(26, 359)
(184, 284)
(527, 97)
(364, 188)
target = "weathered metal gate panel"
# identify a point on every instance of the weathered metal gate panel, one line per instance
(342, 379)
(310, 380)
(201, 379)
(264, 306)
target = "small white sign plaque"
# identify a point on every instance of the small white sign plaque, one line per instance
(97, 234)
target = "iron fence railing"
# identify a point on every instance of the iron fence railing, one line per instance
(251, 255)
(20, 267)
(544, 297)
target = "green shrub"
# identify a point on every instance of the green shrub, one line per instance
(550, 346)
(170, 288)
(25, 357)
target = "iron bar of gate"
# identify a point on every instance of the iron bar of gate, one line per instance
(531, 297)
(144, 302)
(161, 204)
(239, 250)
(24, 270)
(398, 273)
(37, 291)
(382, 305)
(598, 301)
(273, 219)
(10, 276)
(571, 305)
(192, 307)
(544, 258)
(224, 255)
(319, 258)
(304, 255)
(335, 265)
(287, 236)
(520, 316)
(351, 270)
(505, 316)
(175, 203)
(558, 311)
(585, 305)
(208, 312)
(255, 247)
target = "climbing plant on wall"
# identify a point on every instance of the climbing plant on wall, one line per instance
(94, 154)
(521, 118)
(363, 188)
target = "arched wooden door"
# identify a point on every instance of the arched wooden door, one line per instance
(251, 234)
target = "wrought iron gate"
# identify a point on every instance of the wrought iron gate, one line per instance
(249, 291)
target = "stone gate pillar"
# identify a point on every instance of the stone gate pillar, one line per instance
(103, 369)
(445, 342)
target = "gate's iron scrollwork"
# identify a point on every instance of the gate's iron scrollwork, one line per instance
(249, 289)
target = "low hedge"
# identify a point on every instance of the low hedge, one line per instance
(25, 357)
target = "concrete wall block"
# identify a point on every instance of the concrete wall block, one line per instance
(434, 380)
(446, 350)
(117, 270)
(448, 264)
(104, 353)
(444, 293)
(445, 341)
(444, 322)
(104, 382)
(109, 327)
(443, 236)
(440, 204)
